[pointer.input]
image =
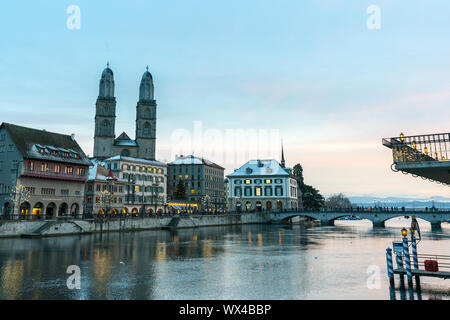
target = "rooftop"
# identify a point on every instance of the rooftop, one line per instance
(45, 145)
(260, 168)
(191, 159)
(136, 160)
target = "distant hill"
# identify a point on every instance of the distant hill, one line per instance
(368, 201)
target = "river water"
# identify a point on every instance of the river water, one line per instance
(230, 262)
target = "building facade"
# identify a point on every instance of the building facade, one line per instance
(104, 192)
(261, 185)
(42, 174)
(203, 181)
(145, 189)
(106, 144)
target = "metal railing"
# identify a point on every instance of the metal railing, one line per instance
(351, 210)
(420, 148)
(442, 260)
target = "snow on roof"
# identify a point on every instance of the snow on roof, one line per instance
(136, 160)
(130, 143)
(260, 168)
(99, 172)
(191, 159)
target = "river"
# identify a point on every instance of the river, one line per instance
(230, 262)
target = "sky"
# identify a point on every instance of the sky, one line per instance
(234, 78)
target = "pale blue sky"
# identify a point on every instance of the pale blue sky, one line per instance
(310, 69)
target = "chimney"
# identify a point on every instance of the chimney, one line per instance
(72, 136)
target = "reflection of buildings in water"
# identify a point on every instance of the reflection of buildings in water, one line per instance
(12, 276)
(249, 238)
(207, 248)
(260, 239)
(101, 272)
(161, 251)
(280, 237)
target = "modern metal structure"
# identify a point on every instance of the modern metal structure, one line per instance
(427, 156)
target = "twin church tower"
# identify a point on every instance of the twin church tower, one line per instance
(105, 142)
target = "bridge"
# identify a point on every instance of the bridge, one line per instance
(378, 217)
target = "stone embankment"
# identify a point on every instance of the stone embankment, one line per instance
(59, 227)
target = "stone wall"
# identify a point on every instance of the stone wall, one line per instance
(57, 228)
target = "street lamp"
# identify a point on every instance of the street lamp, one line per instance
(402, 137)
(404, 232)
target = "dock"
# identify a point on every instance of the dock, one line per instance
(424, 273)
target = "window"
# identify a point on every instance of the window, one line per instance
(146, 129)
(258, 191)
(258, 181)
(30, 165)
(65, 192)
(238, 182)
(57, 168)
(278, 191)
(47, 191)
(44, 167)
(268, 191)
(105, 128)
(268, 181)
(31, 190)
(278, 181)
(248, 181)
(248, 192)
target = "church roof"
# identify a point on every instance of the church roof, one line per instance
(45, 145)
(107, 73)
(147, 76)
(124, 140)
(123, 136)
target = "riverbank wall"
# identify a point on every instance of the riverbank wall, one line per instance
(48, 228)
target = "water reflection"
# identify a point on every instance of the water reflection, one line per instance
(232, 262)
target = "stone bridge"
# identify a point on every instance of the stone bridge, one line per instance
(377, 217)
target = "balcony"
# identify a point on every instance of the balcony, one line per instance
(52, 175)
(426, 155)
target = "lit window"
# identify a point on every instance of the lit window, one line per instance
(258, 191)
(268, 181)
(248, 181)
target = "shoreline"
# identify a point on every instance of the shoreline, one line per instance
(53, 228)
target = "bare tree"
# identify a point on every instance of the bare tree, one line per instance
(339, 201)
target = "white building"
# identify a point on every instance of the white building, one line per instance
(262, 185)
(146, 183)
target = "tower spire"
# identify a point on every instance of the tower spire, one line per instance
(283, 164)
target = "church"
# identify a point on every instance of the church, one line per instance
(106, 144)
